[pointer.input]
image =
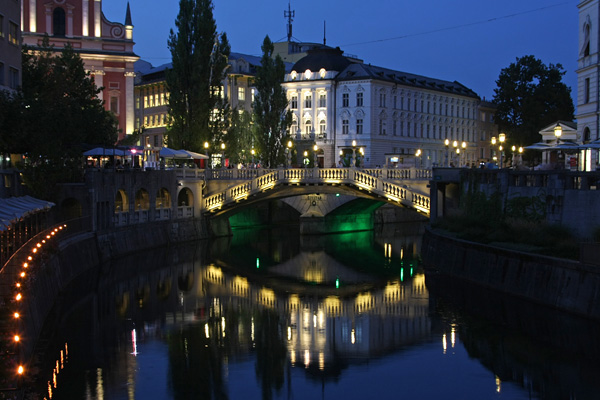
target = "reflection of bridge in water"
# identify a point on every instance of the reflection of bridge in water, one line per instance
(321, 322)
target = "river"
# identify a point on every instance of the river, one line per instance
(270, 314)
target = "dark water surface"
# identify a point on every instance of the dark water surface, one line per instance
(268, 314)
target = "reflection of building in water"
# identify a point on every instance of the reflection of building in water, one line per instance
(321, 323)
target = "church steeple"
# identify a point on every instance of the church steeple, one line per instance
(128, 16)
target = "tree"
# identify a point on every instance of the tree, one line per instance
(271, 116)
(529, 97)
(59, 110)
(240, 137)
(199, 58)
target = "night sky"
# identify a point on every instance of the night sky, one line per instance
(469, 41)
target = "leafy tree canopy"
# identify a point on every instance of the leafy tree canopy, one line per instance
(530, 96)
(271, 116)
(55, 111)
(199, 58)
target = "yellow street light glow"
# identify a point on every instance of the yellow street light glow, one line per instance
(18, 284)
(18, 297)
(22, 274)
(447, 142)
(16, 315)
(52, 233)
(17, 338)
(25, 265)
(34, 250)
(39, 245)
(47, 236)
(29, 258)
(502, 138)
(20, 370)
(455, 143)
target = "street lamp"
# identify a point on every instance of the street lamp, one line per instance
(455, 145)
(557, 132)
(341, 163)
(353, 161)
(208, 154)
(222, 155)
(447, 144)
(501, 139)
(464, 147)
(288, 152)
(253, 152)
(316, 161)
(417, 155)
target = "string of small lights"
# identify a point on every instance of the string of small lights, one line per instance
(20, 290)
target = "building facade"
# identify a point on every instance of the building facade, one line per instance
(588, 78)
(105, 47)
(378, 116)
(10, 45)
(152, 95)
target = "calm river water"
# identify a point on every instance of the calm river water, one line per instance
(268, 314)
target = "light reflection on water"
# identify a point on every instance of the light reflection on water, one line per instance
(329, 317)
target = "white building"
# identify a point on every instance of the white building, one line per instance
(588, 72)
(390, 115)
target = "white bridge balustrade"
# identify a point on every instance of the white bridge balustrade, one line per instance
(393, 185)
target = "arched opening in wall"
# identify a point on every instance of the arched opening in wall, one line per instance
(587, 135)
(163, 199)
(58, 22)
(142, 200)
(70, 209)
(121, 201)
(185, 198)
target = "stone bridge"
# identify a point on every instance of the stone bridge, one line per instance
(227, 188)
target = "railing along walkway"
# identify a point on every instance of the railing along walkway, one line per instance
(390, 184)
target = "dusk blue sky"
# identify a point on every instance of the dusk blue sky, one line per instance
(469, 41)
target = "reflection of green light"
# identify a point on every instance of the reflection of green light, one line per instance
(257, 262)
(337, 195)
(411, 271)
(402, 274)
(337, 283)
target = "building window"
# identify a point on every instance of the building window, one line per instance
(359, 99)
(382, 126)
(308, 101)
(395, 101)
(345, 99)
(294, 128)
(1, 74)
(294, 103)
(308, 126)
(345, 128)
(1, 26)
(114, 104)
(408, 129)
(13, 78)
(13, 33)
(156, 140)
(395, 127)
(241, 94)
(323, 100)
(137, 123)
(58, 22)
(381, 99)
(162, 99)
(586, 92)
(322, 127)
(359, 126)
(137, 103)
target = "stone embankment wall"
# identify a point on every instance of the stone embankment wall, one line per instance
(78, 253)
(564, 284)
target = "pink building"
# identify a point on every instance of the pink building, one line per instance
(105, 47)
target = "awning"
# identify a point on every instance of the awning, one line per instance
(100, 151)
(13, 209)
(170, 153)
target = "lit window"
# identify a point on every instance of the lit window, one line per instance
(308, 101)
(322, 100)
(322, 127)
(308, 127)
(13, 32)
(241, 94)
(294, 103)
